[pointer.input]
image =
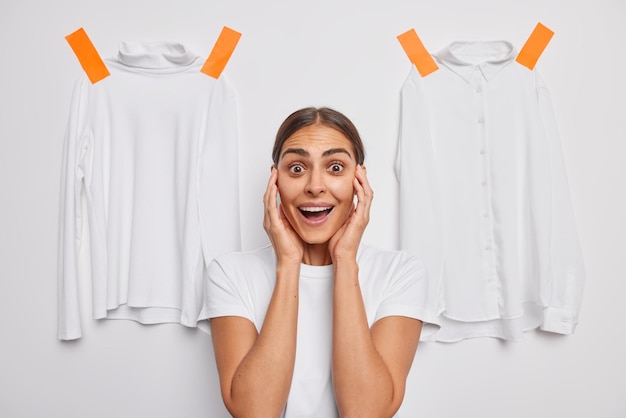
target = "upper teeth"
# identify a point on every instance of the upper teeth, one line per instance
(316, 209)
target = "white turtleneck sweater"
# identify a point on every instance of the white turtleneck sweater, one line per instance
(153, 149)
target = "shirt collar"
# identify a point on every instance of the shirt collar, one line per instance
(154, 55)
(488, 56)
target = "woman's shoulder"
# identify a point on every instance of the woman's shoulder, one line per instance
(260, 253)
(262, 257)
(254, 270)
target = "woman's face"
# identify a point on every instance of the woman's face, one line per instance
(316, 170)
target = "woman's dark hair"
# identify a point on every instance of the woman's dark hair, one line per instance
(318, 116)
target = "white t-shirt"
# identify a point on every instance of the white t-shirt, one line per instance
(484, 197)
(154, 149)
(241, 284)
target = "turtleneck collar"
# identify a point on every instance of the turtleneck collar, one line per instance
(155, 55)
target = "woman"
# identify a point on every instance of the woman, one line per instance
(315, 324)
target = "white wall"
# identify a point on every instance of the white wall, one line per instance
(293, 54)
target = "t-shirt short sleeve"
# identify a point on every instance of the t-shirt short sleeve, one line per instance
(223, 295)
(404, 293)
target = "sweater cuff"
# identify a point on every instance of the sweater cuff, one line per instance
(67, 335)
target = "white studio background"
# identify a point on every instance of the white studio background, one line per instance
(342, 54)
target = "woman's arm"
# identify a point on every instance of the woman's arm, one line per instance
(256, 370)
(370, 366)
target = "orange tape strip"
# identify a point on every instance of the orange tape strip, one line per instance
(87, 56)
(534, 46)
(418, 55)
(222, 50)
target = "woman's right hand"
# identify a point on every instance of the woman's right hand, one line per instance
(287, 244)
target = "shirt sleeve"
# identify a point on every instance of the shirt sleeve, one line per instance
(222, 295)
(70, 217)
(419, 197)
(567, 272)
(406, 293)
(218, 176)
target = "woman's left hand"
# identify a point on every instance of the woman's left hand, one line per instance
(345, 243)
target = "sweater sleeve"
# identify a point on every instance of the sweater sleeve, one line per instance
(218, 177)
(567, 272)
(70, 217)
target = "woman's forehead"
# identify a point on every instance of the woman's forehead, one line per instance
(316, 139)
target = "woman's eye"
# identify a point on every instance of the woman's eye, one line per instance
(336, 168)
(296, 169)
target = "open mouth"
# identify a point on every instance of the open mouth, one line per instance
(315, 213)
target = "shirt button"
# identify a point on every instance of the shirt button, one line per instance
(483, 183)
(485, 215)
(479, 90)
(481, 120)
(487, 247)
(482, 151)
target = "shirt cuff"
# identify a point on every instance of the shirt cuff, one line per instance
(559, 320)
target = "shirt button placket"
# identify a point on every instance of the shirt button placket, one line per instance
(486, 221)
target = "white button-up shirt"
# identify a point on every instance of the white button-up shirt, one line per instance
(484, 198)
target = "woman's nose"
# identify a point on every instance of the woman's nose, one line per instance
(315, 185)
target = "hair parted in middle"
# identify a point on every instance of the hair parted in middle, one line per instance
(318, 116)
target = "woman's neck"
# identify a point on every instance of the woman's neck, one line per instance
(316, 255)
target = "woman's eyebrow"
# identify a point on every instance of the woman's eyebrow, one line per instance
(336, 151)
(299, 151)
(304, 153)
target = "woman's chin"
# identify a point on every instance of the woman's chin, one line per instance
(315, 239)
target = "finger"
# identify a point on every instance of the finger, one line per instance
(281, 212)
(360, 215)
(361, 176)
(363, 192)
